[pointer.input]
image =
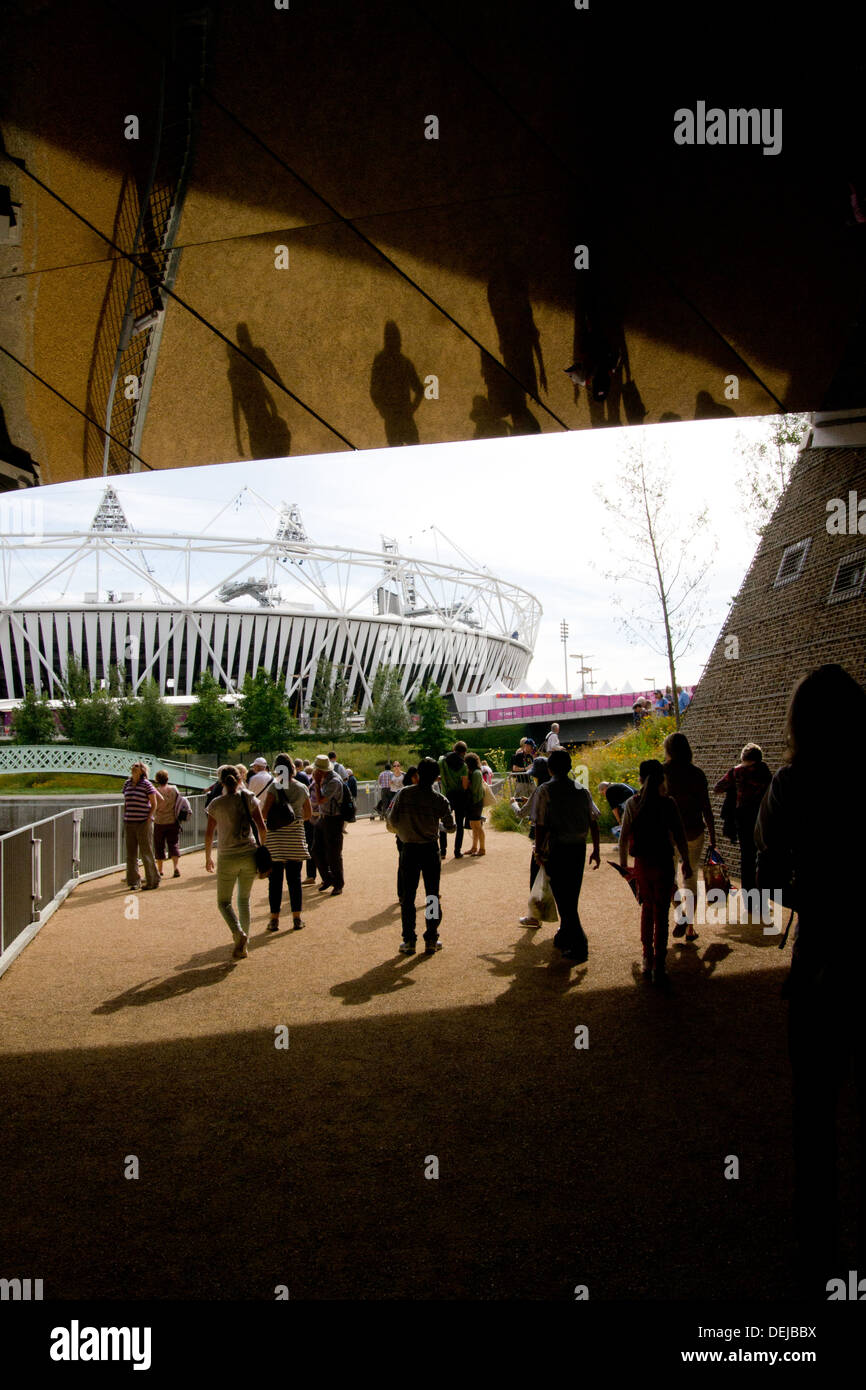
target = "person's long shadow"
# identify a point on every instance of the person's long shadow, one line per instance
(172, 988)
(269, 435)
(535, 969)
(385, 918)
(520, 349)
(395, 389)
(387, 978)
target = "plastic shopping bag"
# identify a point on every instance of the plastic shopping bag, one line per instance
(541, 901)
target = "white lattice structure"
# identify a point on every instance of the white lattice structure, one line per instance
(106, 762)
(460, 627)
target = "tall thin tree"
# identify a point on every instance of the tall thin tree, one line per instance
(662, 552)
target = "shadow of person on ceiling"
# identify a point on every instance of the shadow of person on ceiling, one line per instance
(269, 435)
(708, 409)
(520, 349)
(17, 468)
(395, 389)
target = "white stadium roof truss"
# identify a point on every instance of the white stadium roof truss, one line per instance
(448, 624)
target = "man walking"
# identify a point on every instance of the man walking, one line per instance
(414, 815)
(260, 777)
(564, 814)
(551, 741)
(326, 796)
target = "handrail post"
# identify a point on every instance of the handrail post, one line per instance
(35, 874)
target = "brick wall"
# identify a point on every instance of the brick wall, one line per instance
(783, 632)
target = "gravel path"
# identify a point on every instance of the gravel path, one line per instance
(305, 1165)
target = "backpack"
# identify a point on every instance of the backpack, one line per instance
(182, 809)
(280, 813)
(347, 805)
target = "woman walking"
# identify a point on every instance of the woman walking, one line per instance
(166, 826)
(286, 842)
(140, 800)
(651, 825)
(235, 813)
(475, 804)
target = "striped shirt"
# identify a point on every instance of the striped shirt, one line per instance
(136, 798)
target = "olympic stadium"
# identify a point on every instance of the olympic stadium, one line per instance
(168, 606)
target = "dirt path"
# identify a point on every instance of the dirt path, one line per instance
(305, 1165)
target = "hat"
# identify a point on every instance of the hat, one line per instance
(323, 762)
(260, 762)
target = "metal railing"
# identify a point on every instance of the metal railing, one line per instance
(109, 762)
(42, 862)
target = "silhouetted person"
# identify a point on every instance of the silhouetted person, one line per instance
(748, 781)
(395, 389)
(826, 1035)
(519, 346)
(269, 435)
(564, 814)
(651, 826)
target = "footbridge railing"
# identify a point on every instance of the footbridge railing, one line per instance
(106, 762)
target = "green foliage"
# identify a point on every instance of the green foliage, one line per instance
(265, 714)
(619, 760)
(96, 721)
(388, 718)
(767, 466)
(502, 817)
(496, 759)
(147, 723)
(33, 721)
(329, 703)
(211, 725)
(432, 736)
(76, 691)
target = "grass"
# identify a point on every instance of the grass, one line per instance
(56, 783)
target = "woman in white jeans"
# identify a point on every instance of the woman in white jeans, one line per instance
(234, 813)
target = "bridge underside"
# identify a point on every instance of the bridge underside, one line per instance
(309, 208)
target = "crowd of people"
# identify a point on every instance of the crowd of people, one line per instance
(294, 816)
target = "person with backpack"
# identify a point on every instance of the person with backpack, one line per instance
(564, 814)
(415, 816)
(687, 785)
(234, 813)
(326, 797)
(745, 784)
(454, 781)
(651, 825)
(166, 826)
(282, 798)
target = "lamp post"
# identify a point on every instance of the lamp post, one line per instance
(563, 633)
(583, 670)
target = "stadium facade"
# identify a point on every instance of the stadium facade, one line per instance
(230, 606)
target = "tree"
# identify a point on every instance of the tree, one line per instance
(33, 720)
(96, 723)
(211, 725)
(388, 718)
(662, 552)
(767, 465)
(431, 736)
(329, 701)
(265, 714)
(148, 722)
(76, 689)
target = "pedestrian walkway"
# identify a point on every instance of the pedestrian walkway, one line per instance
(305, 1165)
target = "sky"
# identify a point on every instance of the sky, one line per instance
(525, 507)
